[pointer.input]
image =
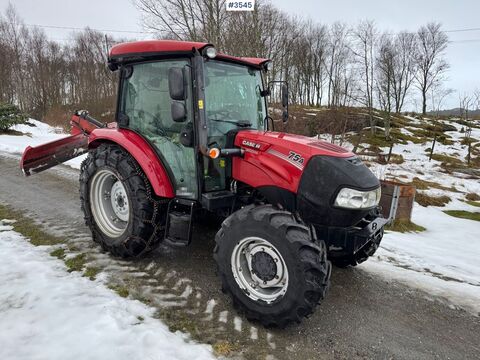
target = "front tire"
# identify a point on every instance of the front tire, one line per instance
(274, 268)
(118, 203)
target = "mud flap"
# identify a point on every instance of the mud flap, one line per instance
(42, 157)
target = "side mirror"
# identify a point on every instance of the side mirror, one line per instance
(176, 83)
(179, 113)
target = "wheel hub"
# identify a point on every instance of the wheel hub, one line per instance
(259, 269)
(109, 203)
(264, 266)
(119, 201)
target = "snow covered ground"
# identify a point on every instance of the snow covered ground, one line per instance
(35, 135)
(48, 313)
(443, 260)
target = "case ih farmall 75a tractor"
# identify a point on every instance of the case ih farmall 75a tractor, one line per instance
(192, 135)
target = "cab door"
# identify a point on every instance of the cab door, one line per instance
(146, 101)
(233, 101)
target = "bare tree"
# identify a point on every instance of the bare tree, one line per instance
(430, 61)
(465, 102)
(195, 20)
(438, 96)
(405, 50)
(336, 64)
(365, 38)
(476, 97)
(385, 79)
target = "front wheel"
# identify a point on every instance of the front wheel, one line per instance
(274, 268)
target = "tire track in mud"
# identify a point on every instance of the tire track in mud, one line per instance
(181, 302)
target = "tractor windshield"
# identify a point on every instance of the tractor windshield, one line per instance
(232, 97)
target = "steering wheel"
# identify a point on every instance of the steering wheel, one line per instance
(156, 121)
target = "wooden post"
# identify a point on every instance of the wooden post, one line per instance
(390, 152)
(397, 200)
(433, 146)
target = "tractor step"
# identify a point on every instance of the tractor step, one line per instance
(178, 229)
(218, 200)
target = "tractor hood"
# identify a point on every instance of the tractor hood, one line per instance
(304, 146)
(278, 159)
(303, 174)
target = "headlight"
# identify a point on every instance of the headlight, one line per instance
(268, 66)
(210, 52)
(355, 199)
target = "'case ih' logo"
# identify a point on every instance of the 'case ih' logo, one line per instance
(250, 144)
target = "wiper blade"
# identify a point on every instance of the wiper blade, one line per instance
(240, 123)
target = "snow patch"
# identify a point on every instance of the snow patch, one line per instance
(38, 134)
(48, 313)
(443, 260)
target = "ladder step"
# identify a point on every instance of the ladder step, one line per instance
(178, 231)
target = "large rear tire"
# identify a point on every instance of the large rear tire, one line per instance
(272, 265)
(118, 204)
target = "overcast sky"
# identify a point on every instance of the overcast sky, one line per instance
(393, 15)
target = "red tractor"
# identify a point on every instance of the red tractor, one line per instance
(192, 134)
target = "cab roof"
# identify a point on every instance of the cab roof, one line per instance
(148, 48)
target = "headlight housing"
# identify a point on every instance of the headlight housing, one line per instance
(210, 52)
(355, 199)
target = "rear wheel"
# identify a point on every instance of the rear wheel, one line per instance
(118, 204)
(274, 268)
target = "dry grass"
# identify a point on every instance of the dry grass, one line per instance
(91, 272)
(426, 200)
(449, 163)
(76, 263)
(396, 159)
(28, 228)
(404, 226)
(224, 348)
(120, 290)
(472, 197)
(425, 185)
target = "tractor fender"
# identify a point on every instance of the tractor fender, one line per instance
(141, 151)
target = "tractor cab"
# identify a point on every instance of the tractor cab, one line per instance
(185, 100)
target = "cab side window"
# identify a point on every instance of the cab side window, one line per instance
(146, 101)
